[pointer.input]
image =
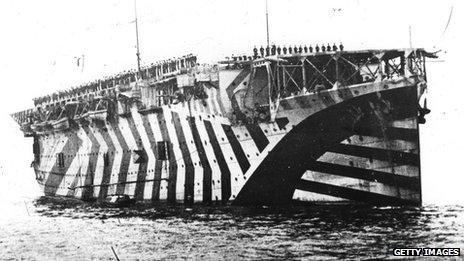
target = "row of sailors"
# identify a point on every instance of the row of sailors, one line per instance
(155, 70)
(171, 65)
(52, 111)
(277, 50)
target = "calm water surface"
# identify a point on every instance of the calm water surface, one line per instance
(46, 229)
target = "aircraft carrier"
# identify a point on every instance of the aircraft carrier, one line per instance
(310, 124)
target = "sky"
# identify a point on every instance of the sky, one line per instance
(40, 40)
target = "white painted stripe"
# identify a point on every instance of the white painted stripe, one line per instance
(193, 105)
(100, 166)
(215, 92)
(48, 145)
(362, 185)
(307, 196)
(365, 163)
(212, 98)
(83, 161)
(47, 161)
(409, 123)
(117, 160)
(374, 142)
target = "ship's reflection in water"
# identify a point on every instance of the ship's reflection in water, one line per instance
(68, 230)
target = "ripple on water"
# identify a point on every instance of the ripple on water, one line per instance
(75, 230)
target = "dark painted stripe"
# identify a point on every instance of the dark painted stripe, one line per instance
(126, 157)
(37, 150)
(142, 170)
(189, 169)
(225, 172)
(237, 148)
(172, 159)
(207, 172)
(87, 192)
(70, 151)
(258, 136)
(390, 133)
(402, 158)
(107, 169)
(351, 194)
(158, 163)
(366, 174)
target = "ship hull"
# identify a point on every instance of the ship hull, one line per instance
(356, 144)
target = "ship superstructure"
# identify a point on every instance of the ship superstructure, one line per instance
(283, 124)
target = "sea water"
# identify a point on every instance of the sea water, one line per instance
(50, 229)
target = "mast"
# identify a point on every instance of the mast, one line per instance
(137, 39)
(410, 37)
(267, 25)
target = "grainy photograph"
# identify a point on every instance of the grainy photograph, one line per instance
(231, 130)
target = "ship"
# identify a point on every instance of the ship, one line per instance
(281, 125)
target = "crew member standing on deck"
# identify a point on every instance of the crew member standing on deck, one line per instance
(273, 50)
